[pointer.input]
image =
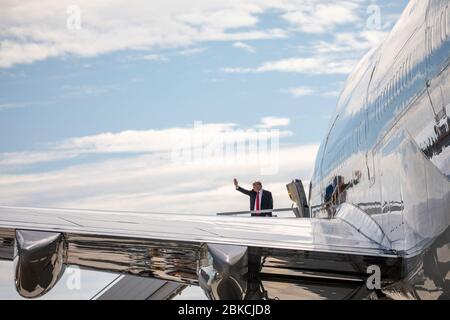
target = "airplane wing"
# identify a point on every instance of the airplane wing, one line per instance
(211, 251)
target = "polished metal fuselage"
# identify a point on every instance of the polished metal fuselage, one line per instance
(387, 151)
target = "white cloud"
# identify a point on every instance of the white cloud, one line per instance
(315, 65)
(332, 90)
(335, 93)
(150, 57)
(155, 57)
(274, 122)
(31, 31)
(244, 46)
(191, 51)
(147, 180)
(321, 17)
(15, 159)
(351, 42)
(79, 91)
(153, 183)
(244, 36)
(138, 142)
(301, 91)
(325, 57)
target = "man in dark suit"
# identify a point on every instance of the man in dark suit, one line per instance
(259, 199)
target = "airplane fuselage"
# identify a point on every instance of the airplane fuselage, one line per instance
(387, 151)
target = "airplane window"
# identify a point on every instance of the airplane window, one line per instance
(380, 99)
(394, 86)
(397, 87)
(387, 98)
(361, 133)
(377, 108)
(409, 78)
(435, 33)
(366, 129)
(443, 26)
(410, 69)
(391, 87)
(405, 74)
(438, 32)
(390, 91)
(353, 141)
(380, 105)
(406, 71)
(431, 39)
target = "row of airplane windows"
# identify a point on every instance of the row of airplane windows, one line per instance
(402, 78)
(439, 31)
(341, 150)
(399, 82)
(395, 86)
(437, 34)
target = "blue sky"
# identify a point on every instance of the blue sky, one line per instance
(78, 79)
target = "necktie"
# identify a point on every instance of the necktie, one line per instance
(257, 202)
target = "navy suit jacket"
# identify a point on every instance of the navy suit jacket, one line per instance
(266, 201)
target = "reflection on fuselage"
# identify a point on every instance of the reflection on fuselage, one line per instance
(386, 156)
(389, 123)
(387, 151)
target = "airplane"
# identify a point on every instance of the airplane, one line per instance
(375, 226)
